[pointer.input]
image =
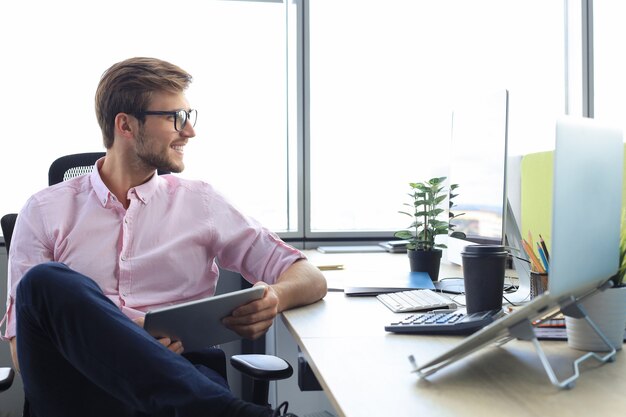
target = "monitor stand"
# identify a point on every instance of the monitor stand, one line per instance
(521, 264)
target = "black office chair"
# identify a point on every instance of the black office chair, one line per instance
(7, 373)
(6, 378)
(260, 368)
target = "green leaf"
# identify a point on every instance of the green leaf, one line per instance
(435, 181)
(404, 234)
(454, 216)
(436, 212)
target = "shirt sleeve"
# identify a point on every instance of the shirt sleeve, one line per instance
(29, 247)
(245, 246)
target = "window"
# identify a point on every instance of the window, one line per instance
(609, 67)
(54, 53)
(313, 115)
(384, 76)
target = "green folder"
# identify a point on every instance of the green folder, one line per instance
(536, 195)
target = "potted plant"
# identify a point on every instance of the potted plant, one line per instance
(607, 309)
(425, 208)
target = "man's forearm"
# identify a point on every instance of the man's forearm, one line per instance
(301, 284)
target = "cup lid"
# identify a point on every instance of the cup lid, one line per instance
(484, 249)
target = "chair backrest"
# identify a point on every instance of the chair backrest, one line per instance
(74, 165)
(62, 169)
(8, 223)
(70, 166)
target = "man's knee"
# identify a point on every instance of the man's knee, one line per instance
(50, 277)
(42, 274)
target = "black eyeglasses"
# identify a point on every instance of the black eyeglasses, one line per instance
(181, 117)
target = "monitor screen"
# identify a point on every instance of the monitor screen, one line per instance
(478, 156)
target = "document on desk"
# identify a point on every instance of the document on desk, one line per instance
(384, 284)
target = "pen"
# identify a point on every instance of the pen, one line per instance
(545, 248)
(533, 258)
(543, 256)
(330, 267)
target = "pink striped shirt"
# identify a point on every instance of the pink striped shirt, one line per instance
(162, 250)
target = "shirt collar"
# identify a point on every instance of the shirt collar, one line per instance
(101, 190)
(143, 192)
(146, 190)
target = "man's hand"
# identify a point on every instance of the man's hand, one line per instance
(176, 347)
(253, 319)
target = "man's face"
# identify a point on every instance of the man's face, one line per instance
(158, 145)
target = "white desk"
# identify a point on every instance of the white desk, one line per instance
(365, 372)
(359, 267)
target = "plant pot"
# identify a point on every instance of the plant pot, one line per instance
(425, 261)
(607, 309)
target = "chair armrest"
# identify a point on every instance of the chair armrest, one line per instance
(6, 378)
(264, 367)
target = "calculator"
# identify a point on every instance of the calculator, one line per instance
(444, 322)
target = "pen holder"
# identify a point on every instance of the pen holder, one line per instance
(538, 283)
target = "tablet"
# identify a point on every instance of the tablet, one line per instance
(198, 324)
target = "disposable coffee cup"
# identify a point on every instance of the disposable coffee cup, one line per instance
(483, 275)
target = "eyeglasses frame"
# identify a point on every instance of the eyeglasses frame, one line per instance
(173, 113)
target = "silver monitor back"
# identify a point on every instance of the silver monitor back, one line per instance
(587, 201)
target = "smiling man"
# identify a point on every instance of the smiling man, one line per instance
(90, 256)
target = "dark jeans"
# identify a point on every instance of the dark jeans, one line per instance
(80, 356)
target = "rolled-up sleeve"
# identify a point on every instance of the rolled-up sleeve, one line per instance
(27, 234)
(244, 246)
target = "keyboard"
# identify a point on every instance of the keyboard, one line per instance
(415, 300)
(443, 322)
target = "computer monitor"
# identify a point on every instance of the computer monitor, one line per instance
(478, 158)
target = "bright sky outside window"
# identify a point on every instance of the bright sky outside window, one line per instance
(235, 51)
(384, 78)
